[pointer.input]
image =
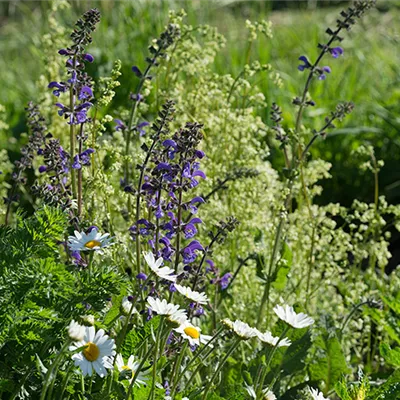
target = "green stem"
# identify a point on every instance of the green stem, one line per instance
(49, 374)
(192, 360)
(270, 356)
(227, 355)
(155, 360)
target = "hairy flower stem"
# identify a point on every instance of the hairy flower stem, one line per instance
(72, 132)
(270, 356)
(157, 223)
(192, 360)
(140, 182)
(65, 381)
(178, 230)
(221, 364)
(80, 173)
(155, 360)
(132, 115)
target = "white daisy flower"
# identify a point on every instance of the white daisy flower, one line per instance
(126, 306)
(76, 331)
(196, 297)
(192, 334)
(286, 313)
(132, 366)
(90, 241)
(317, 395)
(227, 323)
(96, 354)
(268, 338)
(175, 315)
(268, 395)
(155, 266)
(243, 330)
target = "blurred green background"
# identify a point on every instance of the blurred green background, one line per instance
(368, 74)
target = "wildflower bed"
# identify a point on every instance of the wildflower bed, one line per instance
(167, 258)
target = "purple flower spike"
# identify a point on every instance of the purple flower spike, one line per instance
(306, 64)
(88, 57)
(336, 52)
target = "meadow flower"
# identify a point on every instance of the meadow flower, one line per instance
(88, 241)
(76, 331)
(162, 272)
(306, 64)
(241, 329)
(96, 354)
(132, 366)
(173, 313)
(336, 52)
(196, 297)
(286, 313)
(268, 395)
(192, 334)
(317, 395)
(126, 305)
(268, 338)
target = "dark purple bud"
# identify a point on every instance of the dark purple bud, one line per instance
(336, 52)
(172, 288)
(164, 166)
(200, 154)
(91, 228)
(326, 69)
(141, 276)
(63, 52)
(42, 169)
(169, 143)
(199, 173)
(130, 298)
(88, 57)
(136, 71)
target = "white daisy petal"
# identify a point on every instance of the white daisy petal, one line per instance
(196, 297)
(287, 314)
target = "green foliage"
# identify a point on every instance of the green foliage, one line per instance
(328, 364)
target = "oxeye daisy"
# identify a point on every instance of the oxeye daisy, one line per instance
(97, 351)
(132, 366)
(192, 334)
(268, 338)
(174, 314)
(287, 314)
(196, 297)
(76, 331)
(317, 395)
(241, 329)
(268, 395)
(88, 241)
(126, 306)
(155, 266)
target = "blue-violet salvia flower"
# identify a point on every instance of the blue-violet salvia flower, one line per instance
(336, 52)
(306, 64)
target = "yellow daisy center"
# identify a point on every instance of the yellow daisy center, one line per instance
(125, 367)
(192, 332)
(91, 352)
(92, 243)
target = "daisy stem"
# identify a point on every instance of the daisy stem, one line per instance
(90, 262)
(229, 352)
(139, 368)
(196, 356)
(49, 374)
(178, 361)
(83, 384)
(65, 381)
(157, 345)
(270, 356)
